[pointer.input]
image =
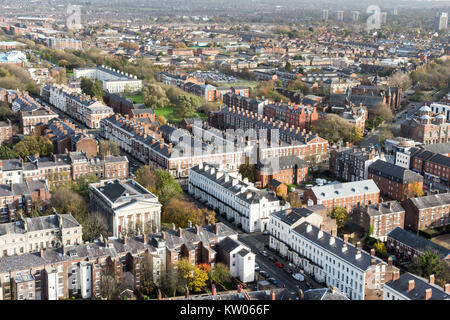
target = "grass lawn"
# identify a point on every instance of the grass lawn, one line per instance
(69, 73)
(171, 115)
(248, 83)
(136, 98)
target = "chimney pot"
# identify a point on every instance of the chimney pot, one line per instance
(410, 285)
(428, 293)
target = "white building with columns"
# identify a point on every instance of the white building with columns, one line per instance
(126, 205)
(233, 197)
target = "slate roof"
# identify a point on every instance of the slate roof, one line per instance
(418, 243)
(228, 244)
(244, 190)
(420, 285)
(292, 215)
(393, 172)
(331, 191)
(383, 208)
(435, 200)
(324, 294)
(362, 263)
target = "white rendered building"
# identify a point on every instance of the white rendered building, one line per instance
(242, 203)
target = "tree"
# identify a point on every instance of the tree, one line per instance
(108, 289)
(429, 263)
(171, 281)
(108, 147)
(31, 145)
(380, 248)
(181, 212)
(161, 120)
(187, 105)
(82, 184)
(154, 96)
(341, 215)
(288, 66)
(220, 274)
(95, 226)
(6, 153)
(334, 128)
(5, 112)
(415, 190)
(196, 276)
(65, 200)
(294, 200)
(384, 112)
(159, 182)
(248, 170)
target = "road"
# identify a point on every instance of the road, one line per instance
(257, 242)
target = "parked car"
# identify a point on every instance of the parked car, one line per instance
(264, 274)
(264, 253)
(298, 277)
(279, 265)
(309, 285)
(266, 232)
(289, 270)
(273, 280)
(272, 258)
(256, 267)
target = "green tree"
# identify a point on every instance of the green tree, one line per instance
(6, 153)
(108, 147)
(32, 145)
(341, 215)
(248, 170)
(187, 105)
(220, 274)
(380, 248)
(94, 226)
(288, 66)
(154, 96)
(429, 263)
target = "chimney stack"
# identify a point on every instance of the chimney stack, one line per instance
(396, 275)
(428, 293)
(180, 232)
(272, 295)
(390, 261)
(447, 288)
(213, 290)
(159, 294)
(345, 237)
(372, 252)
(239, 288)
(358, 245)
(432, 279)
(197, 229)
(410, 285)
(373, 262)
(173, 226)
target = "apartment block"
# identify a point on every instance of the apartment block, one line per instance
(246, 206)
(394, 181)
(352, 164)
(427, 212)
(329, 259)
(382, 218)
(348, 195)
(409, 286)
